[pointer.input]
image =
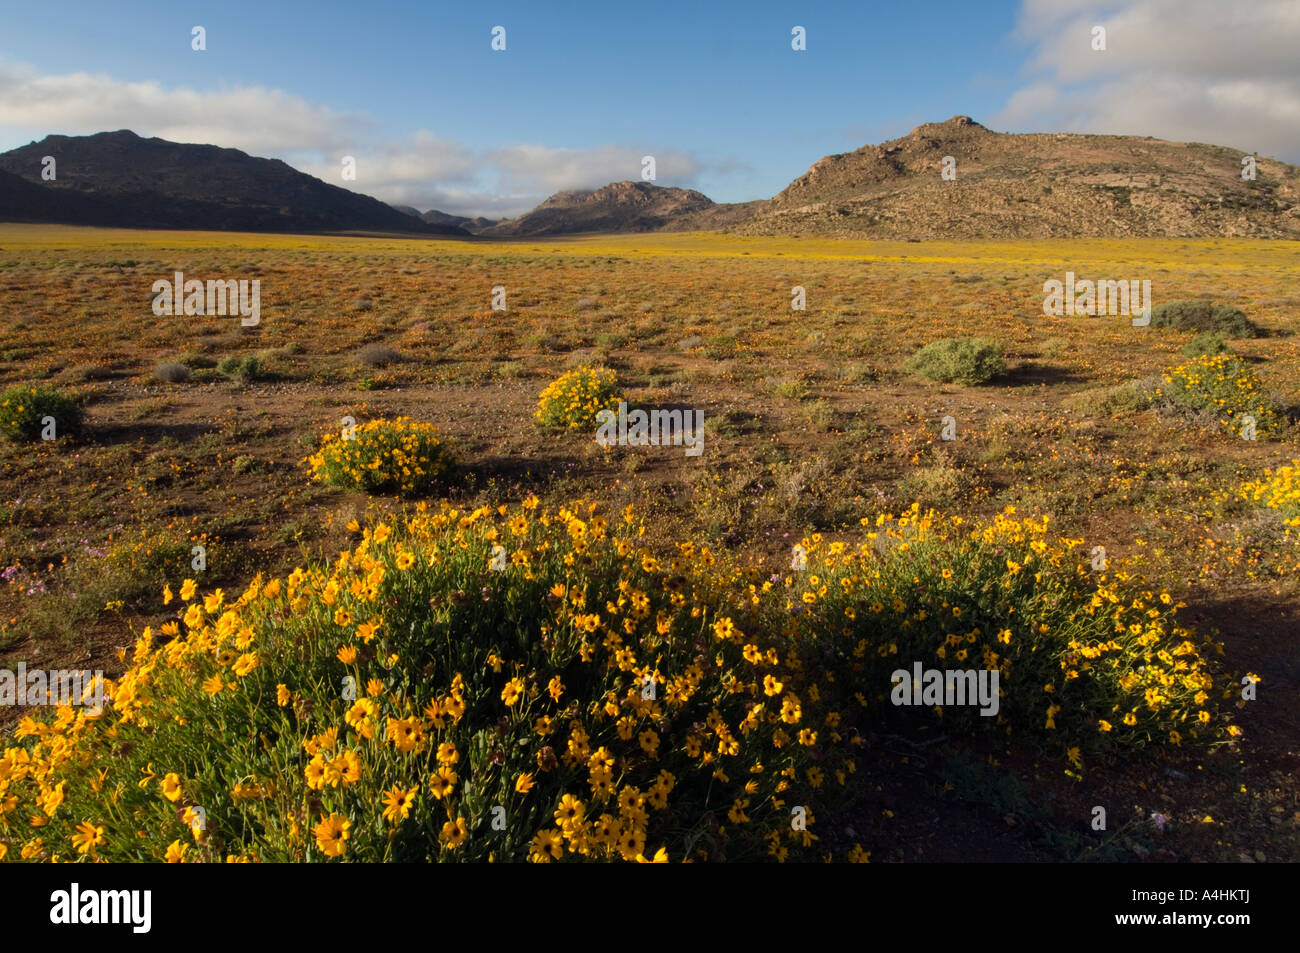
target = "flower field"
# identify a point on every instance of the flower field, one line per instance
(353, 609)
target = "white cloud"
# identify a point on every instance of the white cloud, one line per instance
(1187, 70)
(254, 119)
(403, 173)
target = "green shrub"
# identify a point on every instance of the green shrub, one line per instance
(243, 369)
(245, 464)
(1193, 315)
(958, 361)
(1115, 398)
(721, 346)
(1205, 344)
(24, 407)
(196, 361)
(791, 388)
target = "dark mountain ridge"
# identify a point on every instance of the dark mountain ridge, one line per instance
(121, 179)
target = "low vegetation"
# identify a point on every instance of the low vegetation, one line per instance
(1204, 316)
(29, 411)
(959, 361)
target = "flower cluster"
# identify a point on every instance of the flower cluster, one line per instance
(574, 399)
(1279, 490)
(383, 456)
(1225, 385)
(1090, 658)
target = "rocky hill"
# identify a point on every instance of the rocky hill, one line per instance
(622, 207)
(1034, 186)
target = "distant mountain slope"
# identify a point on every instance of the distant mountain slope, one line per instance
(119, 178)
(1033, 186)
(22, 201)
(620, 207)
(473, 225)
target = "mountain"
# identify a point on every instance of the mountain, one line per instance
(621, 207)
(472, 225)
(121, 179)
(434, 217)
(1034, 186)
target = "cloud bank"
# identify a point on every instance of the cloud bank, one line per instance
(1185, 70)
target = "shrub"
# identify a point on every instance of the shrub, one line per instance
(83, 373)
(616, 706)
(400, 456)
(819, 414)
(958, 361)
(196, 361)
(1194, 315)
(379, 355)
(139, 569)
(1205, 343)
(243, 369)
(24, 407)
(940, 485)
(791, 388)
(172, 372)
(542, 341)
(1114, 399)
(125, 574)
(1095, 662)
(721, 346)
(245, 464)
(1225, 386)
(573, 399)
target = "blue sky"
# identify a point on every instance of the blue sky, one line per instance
(713, 90)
